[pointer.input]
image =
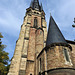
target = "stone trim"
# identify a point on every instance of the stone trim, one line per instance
(58, 44)
(26, 38)
(28, 23)
(30, 60)
(60, 69)
(53, 45)
(55, 69)
(33, 27)
(24, 56)
(70, 42)
(39, 29)
(43, 27)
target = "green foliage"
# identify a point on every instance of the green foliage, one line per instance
(3, 59)
(0, 39)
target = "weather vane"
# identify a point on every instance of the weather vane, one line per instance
(74, 23)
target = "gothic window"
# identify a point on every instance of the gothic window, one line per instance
(35, 22)
(66, 54)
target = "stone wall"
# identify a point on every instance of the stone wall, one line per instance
(42, 63)
(44, 24)
(56, 59)
(73, 54)
(23, 60)
(53, 58)
(15, 63)
(39, 41)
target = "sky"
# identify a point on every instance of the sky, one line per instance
(12, 13)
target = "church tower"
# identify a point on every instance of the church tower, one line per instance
(31, 41)
(34, 55)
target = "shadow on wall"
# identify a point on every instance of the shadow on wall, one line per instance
(66, 71)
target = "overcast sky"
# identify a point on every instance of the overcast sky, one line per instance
(12, 13)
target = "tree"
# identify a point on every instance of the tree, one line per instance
(3, 58)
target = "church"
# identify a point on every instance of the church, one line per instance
(39, 52)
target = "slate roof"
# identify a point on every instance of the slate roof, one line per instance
(54, 33)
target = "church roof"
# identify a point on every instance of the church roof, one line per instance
(35, 5)
(54, 34)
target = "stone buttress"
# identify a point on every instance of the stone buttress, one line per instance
(31, 40)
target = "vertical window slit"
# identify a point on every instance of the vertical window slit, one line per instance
(35, 22)
(66, 55)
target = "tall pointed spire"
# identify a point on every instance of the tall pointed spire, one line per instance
(35, 5)
(54, 34)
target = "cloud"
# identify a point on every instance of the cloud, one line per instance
(63, 12)
(11, 19)
(9, 23)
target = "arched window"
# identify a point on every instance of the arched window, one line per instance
(35, 22)
(66, 54)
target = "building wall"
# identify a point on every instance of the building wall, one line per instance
(42, 63)
(39, 41)
(15, 63)
(36, 43)
(54, 58)
(73, 54)
(23, 61)
(39, 45)
(44, 25)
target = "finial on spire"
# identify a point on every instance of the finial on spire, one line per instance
(36, 6)
(41, 7)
